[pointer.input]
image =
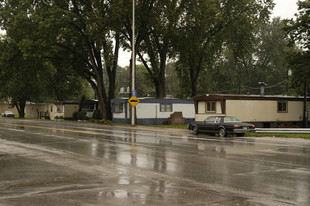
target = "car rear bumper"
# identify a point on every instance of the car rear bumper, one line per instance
(240, 131)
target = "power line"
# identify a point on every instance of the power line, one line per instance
(275, 85)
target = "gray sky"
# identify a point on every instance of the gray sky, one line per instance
(285, 8)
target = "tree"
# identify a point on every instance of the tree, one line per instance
(144, 85)
(156, 21)
(29, 73)
(85, 33)
(299, 32)
(208, 26)
(21, 79)
(265, 61)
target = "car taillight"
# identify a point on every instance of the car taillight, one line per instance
(253, 126)
(235, 126)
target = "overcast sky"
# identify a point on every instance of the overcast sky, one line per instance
(285, 8)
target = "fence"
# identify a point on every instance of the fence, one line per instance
(283, 130)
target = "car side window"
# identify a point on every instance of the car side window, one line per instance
(210, 119)
(218, 120)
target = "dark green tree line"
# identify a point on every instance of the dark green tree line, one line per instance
(211, 26)
(76, 37)
(299, 32)
(299, 61)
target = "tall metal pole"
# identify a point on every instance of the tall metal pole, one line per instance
(305, 104)
(133, 64)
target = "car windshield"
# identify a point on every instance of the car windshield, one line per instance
(231, 119)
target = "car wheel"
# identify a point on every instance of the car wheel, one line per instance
(222, 132)
(195, 130)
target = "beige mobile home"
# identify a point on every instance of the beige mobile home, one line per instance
(63, 110)
(4, 107)
(263, 111)
(37, 110)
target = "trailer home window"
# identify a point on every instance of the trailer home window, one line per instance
(282, 106)
(59, 108)
(210, 106)
(166, 107)
(118, 107)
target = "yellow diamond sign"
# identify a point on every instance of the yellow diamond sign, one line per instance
(133, 101)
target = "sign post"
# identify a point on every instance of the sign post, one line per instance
(133, 102)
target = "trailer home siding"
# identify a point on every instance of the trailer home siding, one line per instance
(152, 111)
(264, 111)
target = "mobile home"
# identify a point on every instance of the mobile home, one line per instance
(151, 111)
(263, 111)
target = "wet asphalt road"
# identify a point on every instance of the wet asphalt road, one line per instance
(74, 163)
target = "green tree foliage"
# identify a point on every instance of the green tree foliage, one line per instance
(209, 26)
(83, 34)
(144, 85)
(21, 79)
(264, 62)
(299, 32)
(156, 23)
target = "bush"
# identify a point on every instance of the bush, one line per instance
(75, 115)
(101, 121)
(59, 117)
(108, 122)
(82, 115)
(96, 114)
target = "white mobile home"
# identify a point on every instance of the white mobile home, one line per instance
(263, 111)
(152, 111)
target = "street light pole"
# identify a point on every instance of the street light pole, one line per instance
(133, 63)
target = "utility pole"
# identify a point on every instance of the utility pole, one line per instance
(305, 105)
(133, 64)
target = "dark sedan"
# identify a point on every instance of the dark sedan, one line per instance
(222, 125)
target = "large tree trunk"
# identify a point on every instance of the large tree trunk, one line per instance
(21, 108)
(195, 68)
(194, 88)
(160, 87)
(102, 99)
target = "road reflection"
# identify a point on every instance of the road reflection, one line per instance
(161, 166)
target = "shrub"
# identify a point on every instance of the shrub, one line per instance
(96, 114)
(101, 121)
(82, 115)
(75, 115)
(108, 122)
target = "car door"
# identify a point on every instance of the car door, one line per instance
(209, 124)
(217, 123)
